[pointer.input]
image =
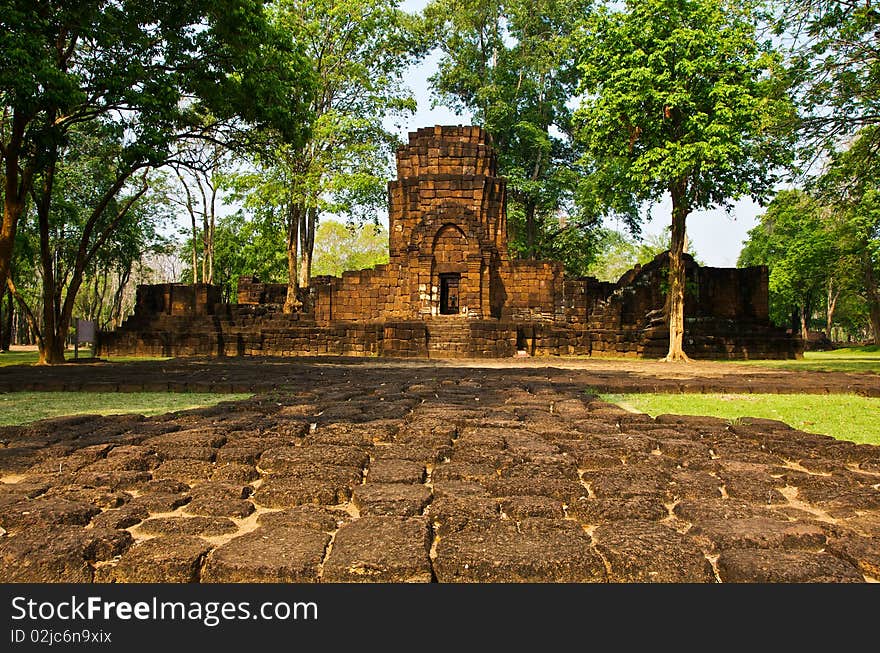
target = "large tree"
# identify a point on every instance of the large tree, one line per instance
(143, 71)
(680, 98)
(511, 64)
(357, 50)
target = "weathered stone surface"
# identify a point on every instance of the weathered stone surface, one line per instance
(764, 566)
(270, 554)
(235, 472)
(760, 533)
(859, 551)
(647, 552)
(456, 471)
(204, 526)
(289, 491)
(187, 470)
(715, 508)
(536, 550)
(453, 513)
(403, 499)
(564, 490)
(596, 511)
(166, 559)
(311, 516)
(524, 507)
(45, 511)
(124, 517)
(390, 470)
(59, 554)
(221, 499)
(627, 481)
(402, 558)
(277, 459)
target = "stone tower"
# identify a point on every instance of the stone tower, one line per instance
(447, 222)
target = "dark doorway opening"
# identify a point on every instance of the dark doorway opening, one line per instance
(449, 284)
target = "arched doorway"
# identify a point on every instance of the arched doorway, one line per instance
(449, 271)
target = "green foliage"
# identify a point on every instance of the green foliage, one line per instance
(511, 64)
(794, 239)
(834, 64)
(679, 91)
(244, 247)
(340, 247)
(357, 52)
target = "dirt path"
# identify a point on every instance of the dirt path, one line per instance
(415, 471)
(262, 374)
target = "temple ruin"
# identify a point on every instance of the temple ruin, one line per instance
(450, 289)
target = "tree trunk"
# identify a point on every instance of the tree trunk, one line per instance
(309, 217)
(291, 301)
(16, 186)
(675, 299)
(6, 327)
(873, 294)
(805, 323)
(830, 306)
(53, 341)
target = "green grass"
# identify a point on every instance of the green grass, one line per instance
(18, 358)
(846, 417)
(31, 357)
(849, 359)
(23, 407)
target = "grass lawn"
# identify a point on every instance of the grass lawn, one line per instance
(847, 417)
(30, 357)
(22, 407)
(850, 359)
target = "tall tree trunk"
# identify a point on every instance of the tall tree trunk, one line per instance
(830, 306)
(873, 293)
(212, 223)
(805, 322)
(53, 341)
(307, 245)
(675, 299)
(6, 327)
(16, 186)
(291, 301)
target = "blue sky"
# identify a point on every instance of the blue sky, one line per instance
(716, 236)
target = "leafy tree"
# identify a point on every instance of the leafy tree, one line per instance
(850, 186)
(357, 51)
(143, 72)
(795, 239)
(87, 228)
(511, 64)
(680, 97)
(340, 247)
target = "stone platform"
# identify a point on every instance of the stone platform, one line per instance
(362, 472)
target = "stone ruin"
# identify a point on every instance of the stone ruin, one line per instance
(450, 289)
